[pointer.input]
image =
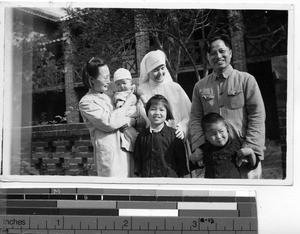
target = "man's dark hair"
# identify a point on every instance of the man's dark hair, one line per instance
(223, 37)
(209, 119)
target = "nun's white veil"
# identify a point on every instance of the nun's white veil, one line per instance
(150, 61)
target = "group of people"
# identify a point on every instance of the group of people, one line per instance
(154, 130)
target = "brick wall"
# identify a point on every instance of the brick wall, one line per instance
(279, 69)
(63, 149)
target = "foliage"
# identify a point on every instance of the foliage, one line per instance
(39, 66)
(47, 71)
(182, 32)
(270, 27)
(104, 32)
(43, 119)
(110, 33)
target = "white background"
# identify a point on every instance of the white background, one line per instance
(278, 206)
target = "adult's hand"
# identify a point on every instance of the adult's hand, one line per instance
(179, 132)
(246, 154)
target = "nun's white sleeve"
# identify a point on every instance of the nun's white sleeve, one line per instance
(183, 109)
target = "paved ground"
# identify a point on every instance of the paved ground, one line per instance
(272, 165)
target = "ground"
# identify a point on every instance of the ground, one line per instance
(272, 164)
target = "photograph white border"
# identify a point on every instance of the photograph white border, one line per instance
(6, 177)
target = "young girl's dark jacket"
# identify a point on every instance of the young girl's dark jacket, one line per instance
(160, 154)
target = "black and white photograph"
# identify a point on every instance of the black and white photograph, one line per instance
(151, 101)
(230, 62)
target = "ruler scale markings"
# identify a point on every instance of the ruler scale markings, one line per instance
(221, 211)
(172, 224)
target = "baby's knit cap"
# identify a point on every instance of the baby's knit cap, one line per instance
(122, 73)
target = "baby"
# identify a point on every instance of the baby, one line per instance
(124, 86)
(123, 82)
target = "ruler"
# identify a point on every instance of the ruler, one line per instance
(127, 211)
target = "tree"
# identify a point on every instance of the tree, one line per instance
(174, 30)
(104, 32)
(269, 30)
(180, 33)
(111, 33)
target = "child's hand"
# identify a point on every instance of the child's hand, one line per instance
(201, 163)
(197, 157)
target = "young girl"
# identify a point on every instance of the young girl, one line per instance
(157, 152)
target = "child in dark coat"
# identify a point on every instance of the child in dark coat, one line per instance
(223, 155)
(157, 152)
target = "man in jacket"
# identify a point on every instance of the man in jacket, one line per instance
(234, 95)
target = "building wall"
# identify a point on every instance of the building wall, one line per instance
(279, 69)
(63, 149)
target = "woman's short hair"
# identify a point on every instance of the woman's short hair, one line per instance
(223, 37)
(159, 99)
(91, 70)
(209, 119)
